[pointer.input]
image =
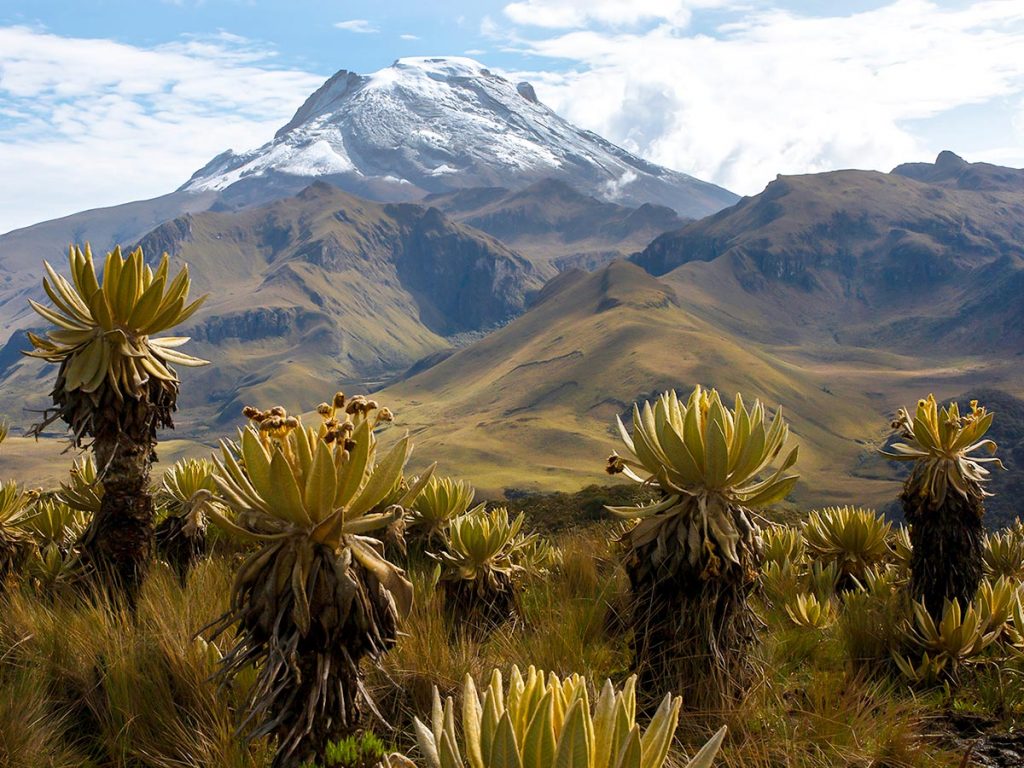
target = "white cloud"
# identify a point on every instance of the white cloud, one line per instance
(409, 37)
(360, 26)
(91, 122)
(489, 27)
(776, 92)
(578, 13)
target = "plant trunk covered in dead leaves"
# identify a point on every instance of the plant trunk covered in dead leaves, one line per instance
(181, 542)
(948, 549)
(478, 608)
(118, 545)
(693, 626)
(306, 643)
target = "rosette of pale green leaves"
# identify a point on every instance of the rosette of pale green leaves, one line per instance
(943, 444)
(1015, 629)
(901, 547)
(15, 541)
(481, 549)
(994, 603)
(289, 483)
(782, 544)
(441, 500)
(853, 538)
(183, 496)
(55, 527)
(53, 522)
(83, 490)
(1004, 553)
(805, 610)
(187, 489)
(296, 482)
(961, 635)
(182, 481)
(483, 561)
(540, 721)
(104, 329)
(706, 460)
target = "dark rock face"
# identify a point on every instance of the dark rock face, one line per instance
(324, 98)
(167, 238)
(460, 279)
(255, 324)
(527, 92)
(460, 284)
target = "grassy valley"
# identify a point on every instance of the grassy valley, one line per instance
(533, 416)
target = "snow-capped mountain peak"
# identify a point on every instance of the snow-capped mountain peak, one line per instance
(436, 124)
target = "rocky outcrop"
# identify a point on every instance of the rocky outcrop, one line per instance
(526, 91)
(254, 324)
(951, 170)
(462, 282)
(167, 238)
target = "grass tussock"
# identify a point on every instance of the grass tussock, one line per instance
(109, 689)
(86, 684)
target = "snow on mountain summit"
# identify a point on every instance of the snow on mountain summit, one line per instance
(438, 124)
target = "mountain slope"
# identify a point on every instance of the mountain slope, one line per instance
(869, 259)
(441, 124)
(555, 226)
(952, 171)
(841, 296)
(22, 251)
(537, 399)
(317, 291)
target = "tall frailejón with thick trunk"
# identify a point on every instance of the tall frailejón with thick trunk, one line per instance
(693, 555)
(943, 498)
(116, 387)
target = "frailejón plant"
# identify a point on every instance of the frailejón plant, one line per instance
(943, 498)
(318, 596)
(692, 557)
(116, 386)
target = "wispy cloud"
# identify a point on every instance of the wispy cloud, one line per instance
(92, 122)
(409, 37)
(778, 92)
(564, 14)
(359, 26)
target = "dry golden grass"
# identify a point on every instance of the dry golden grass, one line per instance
(86, 685)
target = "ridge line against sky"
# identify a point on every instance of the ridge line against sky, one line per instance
(106, 102)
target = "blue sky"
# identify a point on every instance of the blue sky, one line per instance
(106, 101)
